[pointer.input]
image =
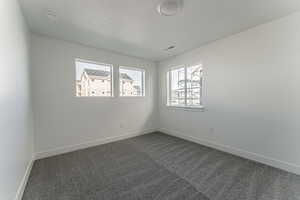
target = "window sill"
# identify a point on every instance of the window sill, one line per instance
(132, 96)
(95, 97)
(188, 108)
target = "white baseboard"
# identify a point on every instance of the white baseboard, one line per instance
(237, 151)
(24, 180)
(70, 148)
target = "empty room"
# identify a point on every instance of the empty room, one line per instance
(150, 100)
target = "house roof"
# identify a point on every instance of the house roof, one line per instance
(95, 72)
(189, 81)
(125, 76)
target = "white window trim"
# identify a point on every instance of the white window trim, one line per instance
(111, 75)
(168, 92)
(141, 69)
(188, 108)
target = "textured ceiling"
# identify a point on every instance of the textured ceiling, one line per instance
(133, 27)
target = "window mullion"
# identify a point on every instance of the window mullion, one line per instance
(170, 88)
(112, 93)
(185, 86)
(143, 85)
(200, 88)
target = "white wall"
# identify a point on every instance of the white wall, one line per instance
(16, 144)
(64, 121)
(251, 95)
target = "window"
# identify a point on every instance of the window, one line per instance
(185, 86)
(132, 81)
(93, 79)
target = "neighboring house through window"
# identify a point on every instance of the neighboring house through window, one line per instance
(93, 79)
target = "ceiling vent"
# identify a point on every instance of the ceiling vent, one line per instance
(51, 15)
(170, 7)
(169, 48)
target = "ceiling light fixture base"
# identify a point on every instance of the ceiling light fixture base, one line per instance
(170, 7)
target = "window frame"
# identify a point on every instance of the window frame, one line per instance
(143, 71)
(169, 91)
(96, 63)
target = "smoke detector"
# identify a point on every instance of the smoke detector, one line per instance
(170, 7)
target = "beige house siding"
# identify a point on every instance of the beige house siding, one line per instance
(101, 86)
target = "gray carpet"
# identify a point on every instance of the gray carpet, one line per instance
(157, 166)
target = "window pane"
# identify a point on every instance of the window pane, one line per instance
(176, 87)
(194, 83)
(131, 82)
(93, 79)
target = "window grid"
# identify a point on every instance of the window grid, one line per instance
(192, 81)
